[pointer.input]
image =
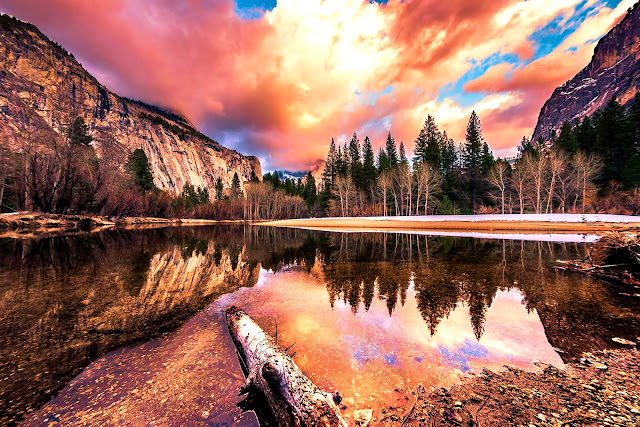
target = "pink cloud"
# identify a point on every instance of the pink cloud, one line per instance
(283, 85)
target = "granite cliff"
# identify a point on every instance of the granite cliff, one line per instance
(42, 87)
(614, 72)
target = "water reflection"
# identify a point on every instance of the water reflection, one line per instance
(368, 312)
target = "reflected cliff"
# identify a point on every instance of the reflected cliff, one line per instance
(65, 301)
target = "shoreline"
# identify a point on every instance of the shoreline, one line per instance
(557, 223)
(31, 224)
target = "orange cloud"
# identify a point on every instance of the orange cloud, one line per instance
(281, 86)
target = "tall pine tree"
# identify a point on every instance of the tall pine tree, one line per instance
(392, 153)
(473, 156)
(428, 144)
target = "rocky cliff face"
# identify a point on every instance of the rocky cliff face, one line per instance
(42, 87)
(614, 72)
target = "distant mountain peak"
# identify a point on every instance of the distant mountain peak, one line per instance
(614, 72)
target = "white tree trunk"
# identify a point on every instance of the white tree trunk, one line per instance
(293, 398)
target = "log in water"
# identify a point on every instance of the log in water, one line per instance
(293, 398)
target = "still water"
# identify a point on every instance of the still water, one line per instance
(127, 326)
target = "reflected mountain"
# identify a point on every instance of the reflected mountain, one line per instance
(64, 301)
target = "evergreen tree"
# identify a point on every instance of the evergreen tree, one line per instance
(428, 144)
(79, 132)
(254, 177)
(567, 140)
(309, 192)
(403, 156)
(139, 167)
(219, 188)
(473, 155)
(355, 161)
(192, 196)
(586, 135)
(329, 173)
(614, 141)
(368, 166)
(487, 159)
(449, 154)
(383, 161)
(390, 148)
(525, 147)
(236, 188)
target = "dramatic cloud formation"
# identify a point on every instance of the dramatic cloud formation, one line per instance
(281, 81)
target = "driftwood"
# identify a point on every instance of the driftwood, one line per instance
(615, 258)
(292, 397)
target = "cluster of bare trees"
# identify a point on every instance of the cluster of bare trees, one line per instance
(547, 182)
(263, 201)
(396, 191)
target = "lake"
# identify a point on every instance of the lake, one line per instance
(127, 326)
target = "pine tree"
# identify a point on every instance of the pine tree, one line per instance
(356, 163)
(309, 191)
(525, 147)
(586, 135)
(390, 148)
(487, 159)
(567, 140)
(79, 132)
(473, 155)
(383, 161)
(449, 153)
(428, 144)
(614, 141)
(403, 156)
(140, 169)
(368, 166)
(329, 173)
(219, 188)
(236, 188)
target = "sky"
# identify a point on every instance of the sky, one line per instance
(279, 79)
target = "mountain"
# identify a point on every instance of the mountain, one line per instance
(283, 174)
(614, 72)
(42, 87)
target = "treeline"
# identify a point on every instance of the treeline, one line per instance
(590, 166)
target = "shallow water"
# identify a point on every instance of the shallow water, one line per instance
(128, 326)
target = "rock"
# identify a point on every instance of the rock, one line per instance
(622, 341)
(178, 153)
(362, 417)
(613, 72)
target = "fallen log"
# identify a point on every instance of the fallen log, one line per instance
(292, 397)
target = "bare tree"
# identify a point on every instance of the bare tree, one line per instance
(519, 179)
(498, 178)
(557, 164)
(385, 182)
(587, 167)
(429, 183)
(345, 189)
(536, 168)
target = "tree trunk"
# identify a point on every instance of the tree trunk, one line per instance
(293, 398)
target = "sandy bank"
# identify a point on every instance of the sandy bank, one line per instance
(493, 223)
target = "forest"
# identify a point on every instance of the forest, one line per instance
(592, 165)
